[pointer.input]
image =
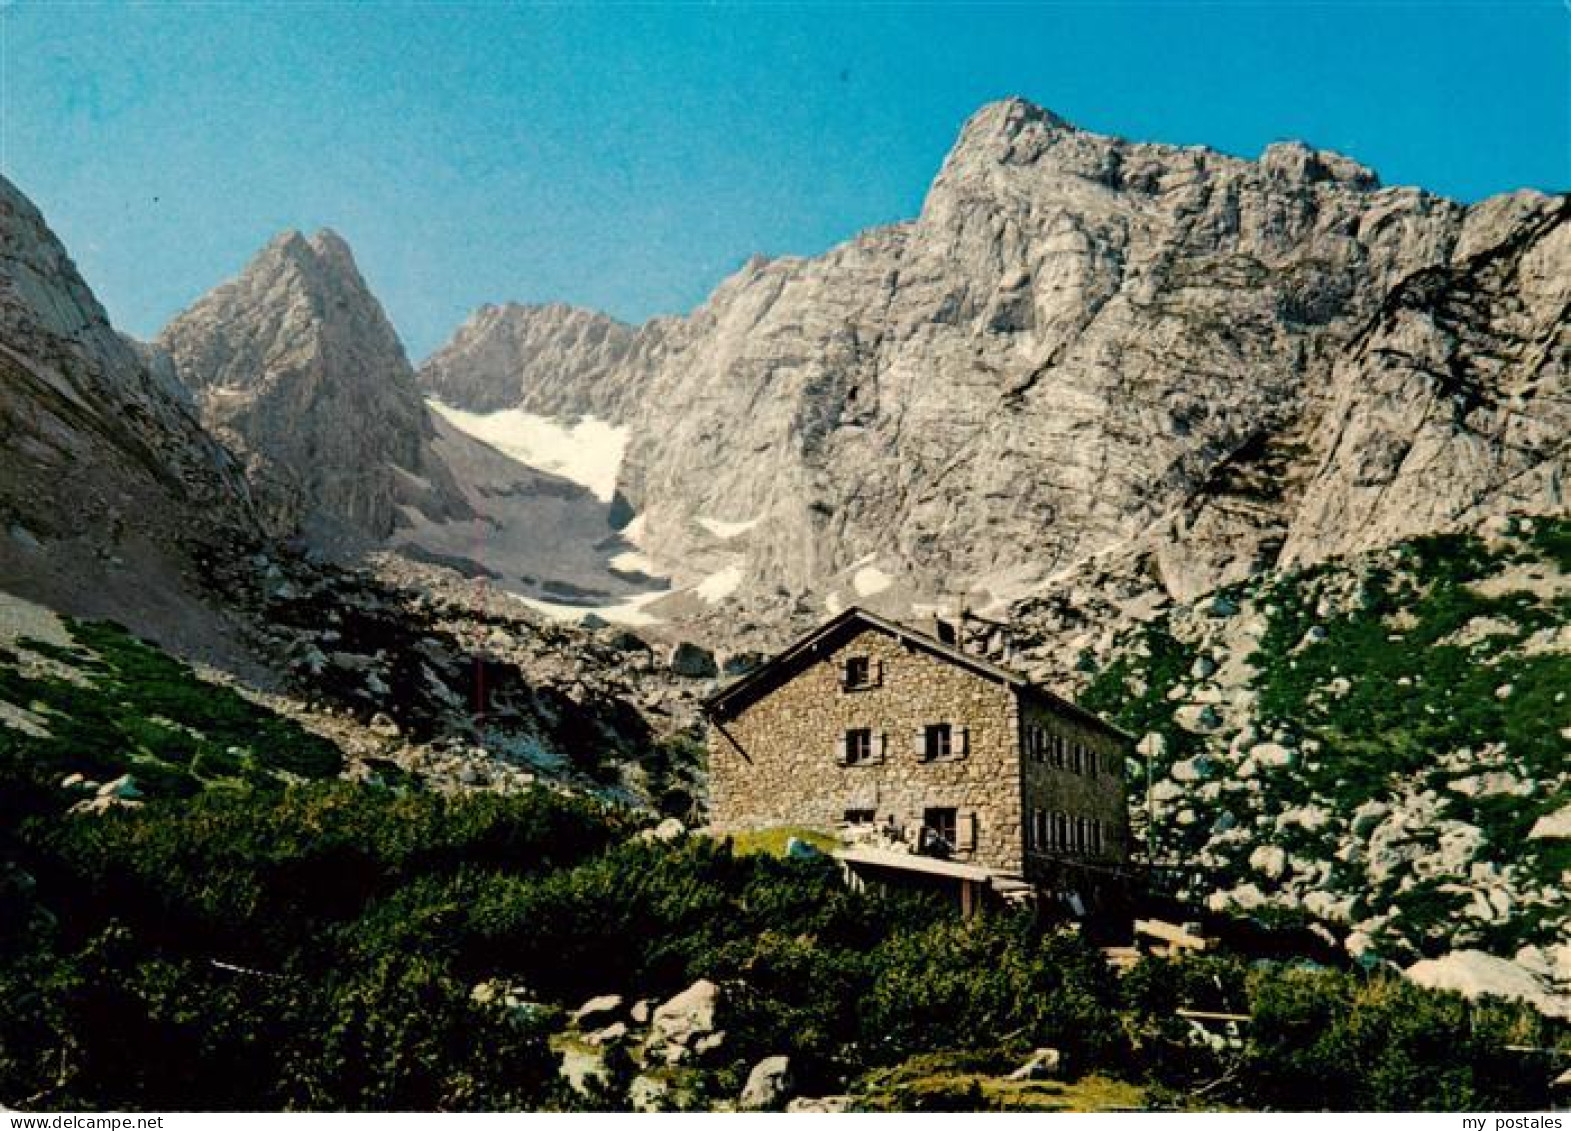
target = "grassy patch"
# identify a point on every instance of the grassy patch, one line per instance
(132, 708)
(773, 841)
(961, 1082)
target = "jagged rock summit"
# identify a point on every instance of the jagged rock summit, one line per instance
(295, 365)
(517, 356)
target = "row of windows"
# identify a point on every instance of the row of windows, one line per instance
(934, 742)
(1060, 832)
(1060, 752)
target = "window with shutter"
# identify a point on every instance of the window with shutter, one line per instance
(940, 826)
(857, 673)
(938, 741)
(858, 745)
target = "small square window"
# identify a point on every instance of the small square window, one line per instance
(937, 741)
(858, 746)
(859, 817)
(858, 672)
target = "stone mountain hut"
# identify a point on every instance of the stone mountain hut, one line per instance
(934, 765)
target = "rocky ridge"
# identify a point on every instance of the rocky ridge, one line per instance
(1082, 346)
(108, 482)
(516, 356)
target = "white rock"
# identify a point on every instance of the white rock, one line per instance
(1271, 755)
(1269, 860)
(1552, 826)
(768, 1084)
(1044, 1064)
(1474, 973)
(597, 1011)
(685, 1022)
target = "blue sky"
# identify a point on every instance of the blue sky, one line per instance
(629, 157)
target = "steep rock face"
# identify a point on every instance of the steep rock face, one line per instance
(1454, 403)
(543, 359)
(1062, 348)
(1080, 343)
(108, 482)
(295, 365)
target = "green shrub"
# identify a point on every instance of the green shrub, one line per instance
(976, 983)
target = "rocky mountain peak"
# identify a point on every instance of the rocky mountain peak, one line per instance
(297, 366)
(526, 356)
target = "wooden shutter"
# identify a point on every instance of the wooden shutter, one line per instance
(965, 832)
(880, 746)
(919, 743)
(875, 673)
(843, 749)
(961, 736)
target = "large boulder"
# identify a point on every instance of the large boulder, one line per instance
(598, 1011)
(692, 660)
(740, 663)
(614, 1034)
(687, 1024)
(1269, 860)
(667, 830)
(1552, 826)
(768, 1084)
(1474, 974)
